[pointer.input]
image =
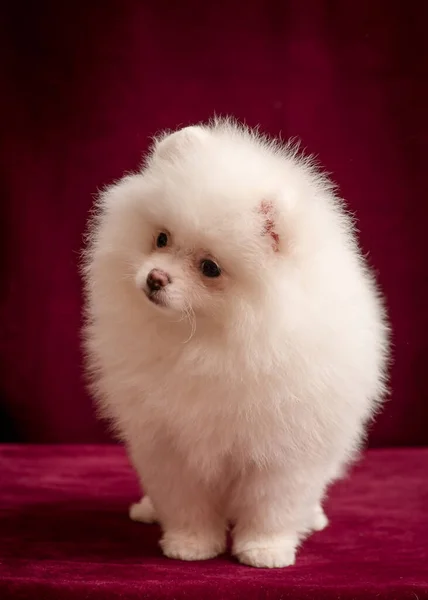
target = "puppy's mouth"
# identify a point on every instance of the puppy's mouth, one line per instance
(156, 297)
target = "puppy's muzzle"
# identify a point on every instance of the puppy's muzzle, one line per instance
(157, 280)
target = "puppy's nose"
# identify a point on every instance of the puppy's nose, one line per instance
(157, 279)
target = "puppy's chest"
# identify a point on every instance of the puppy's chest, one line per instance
(212, 401)
(213, 417)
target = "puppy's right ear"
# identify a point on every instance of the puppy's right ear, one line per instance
(175, 144)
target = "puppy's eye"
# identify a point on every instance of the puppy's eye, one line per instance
(210, 269)
(162, 240)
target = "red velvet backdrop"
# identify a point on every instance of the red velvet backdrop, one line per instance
(85, 85)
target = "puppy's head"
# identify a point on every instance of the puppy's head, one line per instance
(205, 227)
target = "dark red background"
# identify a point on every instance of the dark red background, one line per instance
(85, 85)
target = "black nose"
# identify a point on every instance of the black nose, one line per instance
(157, 280)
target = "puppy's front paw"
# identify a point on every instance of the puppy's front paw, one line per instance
(268, 552)
(143, 511)
(193, 546)
(267, 558)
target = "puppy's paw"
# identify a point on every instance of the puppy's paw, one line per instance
(143, 511)
(266, 552)
(193, 546)
(319, 519)
(267, 558)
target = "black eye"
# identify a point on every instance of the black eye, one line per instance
(162, 240)
(210, 269)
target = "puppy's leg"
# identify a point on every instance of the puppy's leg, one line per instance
(271, 508)
(186, 507)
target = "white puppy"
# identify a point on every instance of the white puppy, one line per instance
(235, 338)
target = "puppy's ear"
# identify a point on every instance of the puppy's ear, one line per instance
(175, 144)
(270, 223)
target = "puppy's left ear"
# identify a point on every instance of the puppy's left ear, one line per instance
(175, 144)
(270, 222)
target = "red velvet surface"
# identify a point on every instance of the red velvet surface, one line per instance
(85, 84)
(64, 534)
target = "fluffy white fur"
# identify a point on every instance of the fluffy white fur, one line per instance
(241, 397)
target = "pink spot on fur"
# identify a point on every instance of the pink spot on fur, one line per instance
(267, 209)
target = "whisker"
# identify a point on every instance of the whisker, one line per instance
(190, 314)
